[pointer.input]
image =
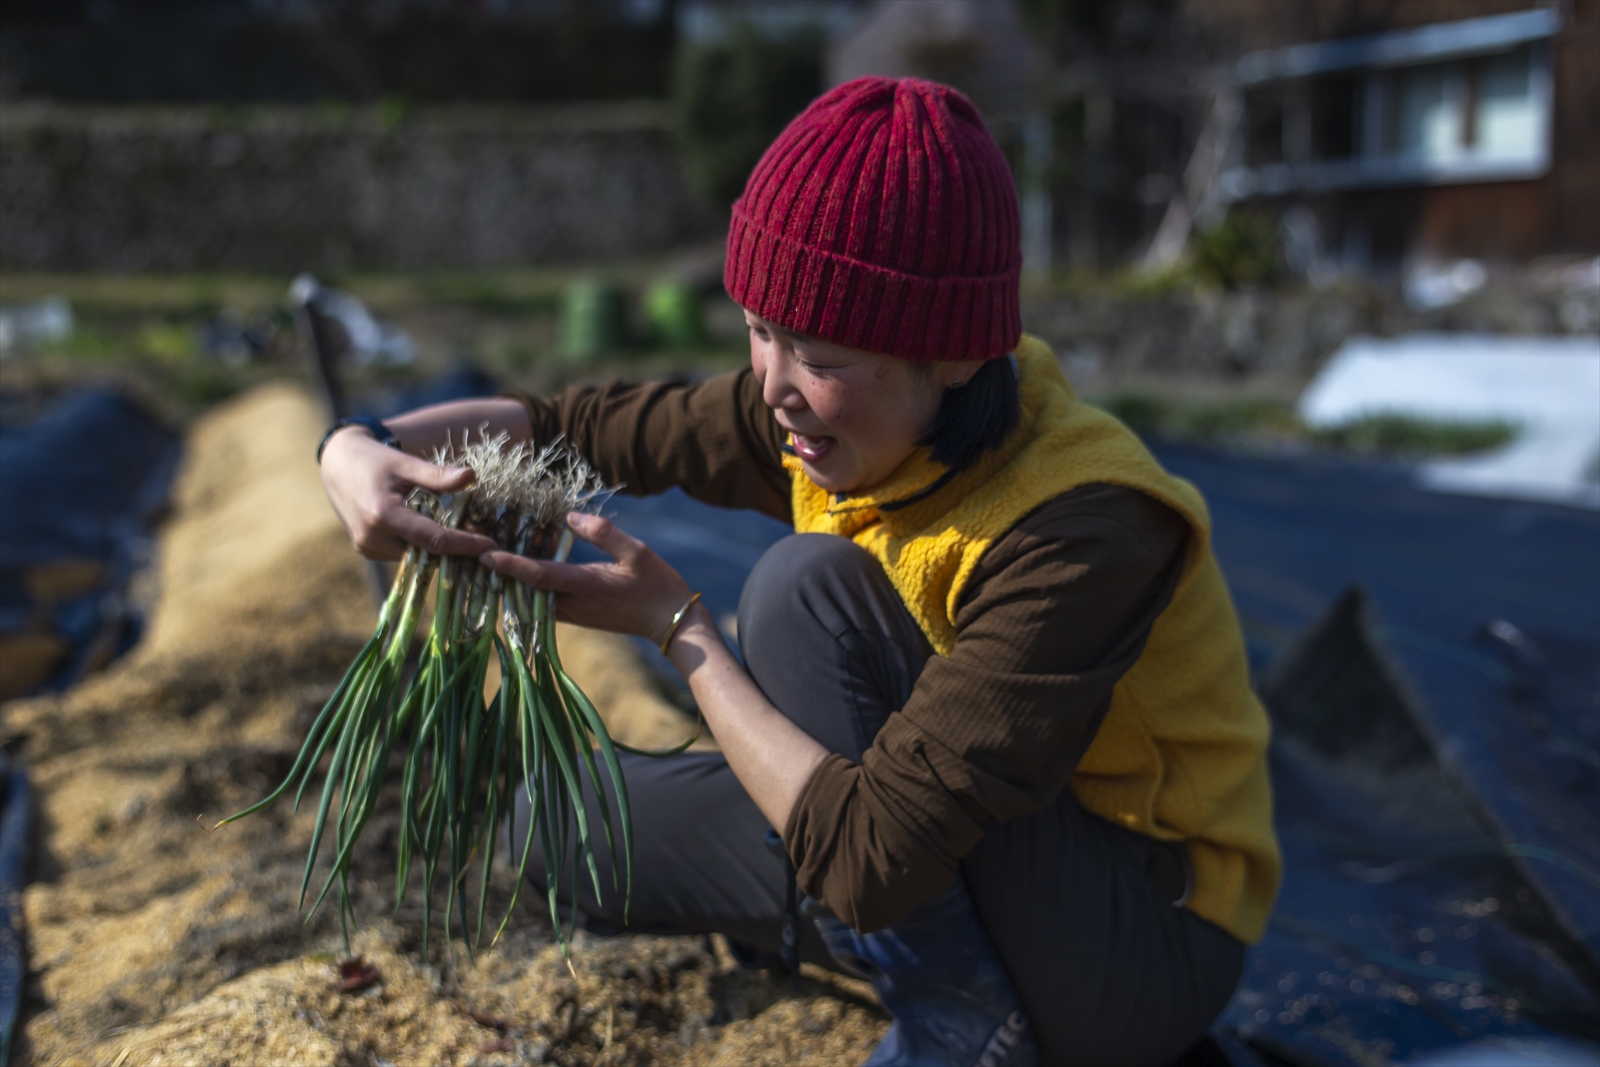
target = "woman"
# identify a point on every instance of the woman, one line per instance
(994, 696)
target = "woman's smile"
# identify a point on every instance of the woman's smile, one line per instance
(811, 449)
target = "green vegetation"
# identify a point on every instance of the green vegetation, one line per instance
(594, 320)
(735, 94)
(1407, 435)
(1257, 420)
(1243, 251)
(677, 315)
(391, 110)
(1152, 415)
(147, 295)
(1240, 251)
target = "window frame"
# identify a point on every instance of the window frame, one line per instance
(1378, 64)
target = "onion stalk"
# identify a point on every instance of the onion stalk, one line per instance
(465, 757)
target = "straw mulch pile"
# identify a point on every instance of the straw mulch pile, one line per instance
(154, 941)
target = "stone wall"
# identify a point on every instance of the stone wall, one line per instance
(287, 189)
(1273, 340)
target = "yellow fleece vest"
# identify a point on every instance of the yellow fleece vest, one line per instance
(1181, 754)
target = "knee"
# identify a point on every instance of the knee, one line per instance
(803, 582)
(825, 636)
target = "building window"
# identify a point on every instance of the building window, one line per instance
(1431, 113)
(1511, 118)
(1459, 102)
(1489, 110)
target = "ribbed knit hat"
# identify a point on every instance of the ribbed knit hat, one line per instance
(883, 218)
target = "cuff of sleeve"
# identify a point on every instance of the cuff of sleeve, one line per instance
(527, 405)
(819, 810)
(853, 856)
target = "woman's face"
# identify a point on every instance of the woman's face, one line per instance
(855, 416)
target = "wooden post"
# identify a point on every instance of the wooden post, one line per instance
(317, 337)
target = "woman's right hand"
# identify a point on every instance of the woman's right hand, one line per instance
(367, 483)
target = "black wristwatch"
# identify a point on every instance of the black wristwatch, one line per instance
(378, 430)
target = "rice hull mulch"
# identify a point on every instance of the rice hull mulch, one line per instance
(152, 941)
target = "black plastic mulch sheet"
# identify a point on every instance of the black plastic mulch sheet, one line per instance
(82, 478)
(1432, 664)
(75, 475)
(16, 823)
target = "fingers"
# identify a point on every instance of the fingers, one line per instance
(630, 596)
(430, 475)
(377, 545)
(348, 450)
(605, 535)
(538, 573)
(416, 529)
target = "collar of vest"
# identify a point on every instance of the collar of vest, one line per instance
(915, 480)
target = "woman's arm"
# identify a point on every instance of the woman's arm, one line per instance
(639, 594)
(771, 756)
(713, 438)
(1056, 612)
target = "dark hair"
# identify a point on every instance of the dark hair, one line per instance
(975, 417)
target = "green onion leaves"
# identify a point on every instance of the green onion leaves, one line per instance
(464, 758)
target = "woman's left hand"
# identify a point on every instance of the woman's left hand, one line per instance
(637, 594)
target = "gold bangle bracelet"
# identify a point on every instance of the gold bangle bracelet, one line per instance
(677, 621)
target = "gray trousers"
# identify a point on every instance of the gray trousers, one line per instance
(1108, 969)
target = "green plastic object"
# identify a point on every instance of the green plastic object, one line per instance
(677, 314)
(594, 320)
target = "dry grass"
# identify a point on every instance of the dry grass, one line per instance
(153, 941)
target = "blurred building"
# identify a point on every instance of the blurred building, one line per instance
(1379, 133)
(1456, 129)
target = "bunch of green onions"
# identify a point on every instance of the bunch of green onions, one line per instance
(465, 756)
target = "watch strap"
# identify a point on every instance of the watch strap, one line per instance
(380, 433)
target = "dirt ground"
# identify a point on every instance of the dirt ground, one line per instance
(152, 940)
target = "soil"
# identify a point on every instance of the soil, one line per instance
(154, 940)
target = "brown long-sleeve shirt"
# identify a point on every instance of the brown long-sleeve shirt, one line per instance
(1057, 611)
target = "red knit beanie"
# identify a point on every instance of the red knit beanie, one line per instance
(884, 218)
